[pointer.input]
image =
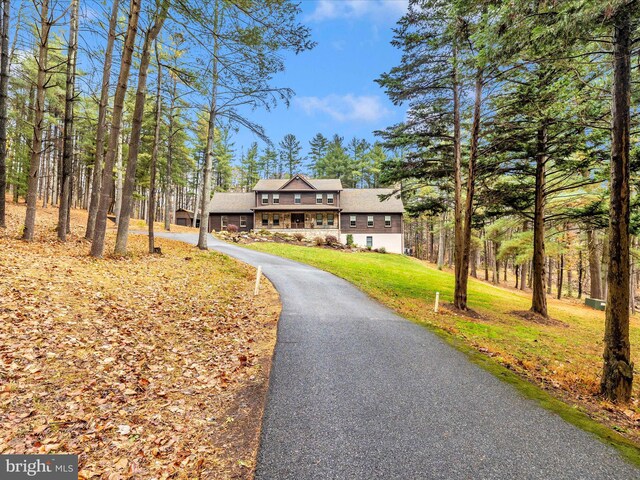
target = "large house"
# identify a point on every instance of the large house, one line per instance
(314, 207)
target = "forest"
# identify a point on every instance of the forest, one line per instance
(517, 159)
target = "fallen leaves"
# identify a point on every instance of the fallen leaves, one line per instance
(132, 363)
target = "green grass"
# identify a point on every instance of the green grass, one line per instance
(568, 357)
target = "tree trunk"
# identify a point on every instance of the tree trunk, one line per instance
(36, 144)
(67, 135)
(560, 275)
(486, 260)
(136, 132)
(580, 274)
(441, 243)
(462, 272)
(539, 299)
(97, 247)
(595, 274)
(119, 178)
(154, 154)
(168, 204)
(4, 85)
(208, 159)
(102, 124)
(523, 267)
(617, 374)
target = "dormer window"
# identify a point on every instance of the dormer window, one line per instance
(296, 198)
(329, 198)
(265, 198)
(276, 198)
(318, 198)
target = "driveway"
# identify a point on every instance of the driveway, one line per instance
(357, 392)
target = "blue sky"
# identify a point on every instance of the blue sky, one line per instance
(334, 82)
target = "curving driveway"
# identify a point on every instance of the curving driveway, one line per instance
(357, 392)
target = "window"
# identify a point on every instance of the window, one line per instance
(224, 221)
(276, 220)
(318, 198)
(329, 197)
(296, 198)
(265, 198)
(387, 221)
(265, 220)
(369, 242)
(370, 221)
(275, 198)
(318, 219)
(330, 219)
(352, 221)
(243, 221)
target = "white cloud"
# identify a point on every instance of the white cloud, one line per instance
(377, 9)
(345, 108)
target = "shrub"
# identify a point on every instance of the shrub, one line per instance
(369, 247)
(232, 228)
(299, 236)
(319, 241)
(331, 240)
(382, 250)
(349, 240)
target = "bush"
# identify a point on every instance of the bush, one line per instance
(350, 240)
(331, 240)
(382, 250)
(232, 228)
(319, 241)
(369, 247)
(299, 236)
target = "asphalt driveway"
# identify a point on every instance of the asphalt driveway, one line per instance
(357, 392)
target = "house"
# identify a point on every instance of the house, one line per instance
(314, 207)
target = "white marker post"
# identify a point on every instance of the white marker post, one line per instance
(258, 275)
(435, 306)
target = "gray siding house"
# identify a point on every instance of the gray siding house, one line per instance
(314, 207)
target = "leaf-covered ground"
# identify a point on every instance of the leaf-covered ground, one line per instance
(146, 366)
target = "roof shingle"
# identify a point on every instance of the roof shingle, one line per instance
(367, 200)
(230, 202)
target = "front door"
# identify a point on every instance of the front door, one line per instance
(297, 220)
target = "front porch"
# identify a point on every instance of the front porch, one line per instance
(299, 222)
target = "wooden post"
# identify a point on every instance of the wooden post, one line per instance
(258, 275)
(435, 306)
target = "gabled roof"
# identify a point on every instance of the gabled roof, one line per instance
(367, 200)
(231, 202)
(275, 184)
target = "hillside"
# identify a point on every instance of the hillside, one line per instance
(563, 355)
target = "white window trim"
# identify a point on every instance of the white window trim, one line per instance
(333, 220)
(353, 221)
(321, 219)
(224, 221)
(330, 198)
(372, 222)
(297, 199)
(275, 198)
(265, 198)
(274, 220)
(385, 221)
(319, 197)
(265, 216)
(243, 221)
